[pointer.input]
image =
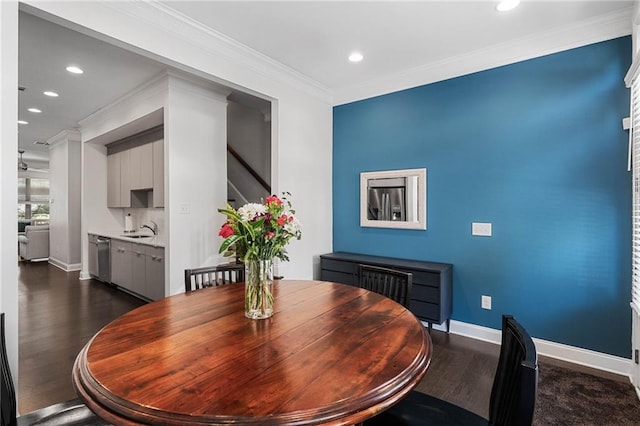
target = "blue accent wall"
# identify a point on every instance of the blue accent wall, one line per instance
(537, 149)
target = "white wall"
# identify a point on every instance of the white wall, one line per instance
(64, 193)
(195, 170)
(9, 181)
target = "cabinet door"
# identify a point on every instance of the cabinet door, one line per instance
(125, 179)
(139, 275)
(113, 180)
(121, 264)
(158, 173)
(155, 273)
(141, 170)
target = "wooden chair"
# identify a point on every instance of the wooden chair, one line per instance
(72, 412)
(513, 395)
(210, 276)
(394, 284)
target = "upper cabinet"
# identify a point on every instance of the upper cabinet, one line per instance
(141, 171)
(118, 167)
(133, 172)
(158, 173)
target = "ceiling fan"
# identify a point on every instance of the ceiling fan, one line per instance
(22, 166)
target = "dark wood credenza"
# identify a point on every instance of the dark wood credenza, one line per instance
(430, 291)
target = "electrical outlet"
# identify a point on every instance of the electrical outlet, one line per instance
(486, 302)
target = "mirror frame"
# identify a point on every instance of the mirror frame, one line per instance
(421, 223)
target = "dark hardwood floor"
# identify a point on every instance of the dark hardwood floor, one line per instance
(59, 314)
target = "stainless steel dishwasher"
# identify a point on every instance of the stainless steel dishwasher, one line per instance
(100, 258)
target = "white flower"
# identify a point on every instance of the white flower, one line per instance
(294, 227)
(250, 211)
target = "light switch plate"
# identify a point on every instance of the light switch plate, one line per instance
(185, 208)
(481, 229)
(486, 302)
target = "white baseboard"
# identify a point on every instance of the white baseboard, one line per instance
(67, 267)
(84, 276)
(588, 358)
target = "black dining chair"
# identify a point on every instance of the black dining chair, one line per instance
(211, 276)
(68, 413)
(513, 395)
(394, 284)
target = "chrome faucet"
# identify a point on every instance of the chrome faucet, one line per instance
(154, 229)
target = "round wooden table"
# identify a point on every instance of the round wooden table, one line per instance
(331, 354)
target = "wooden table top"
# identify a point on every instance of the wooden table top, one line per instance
(330, 354)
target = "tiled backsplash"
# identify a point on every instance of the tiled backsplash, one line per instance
(144, 217)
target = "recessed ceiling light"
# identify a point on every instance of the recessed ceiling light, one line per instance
(356, 57)
(50, 93)
(74, 70)
(507, 5)
(36, 110)
(22, 122)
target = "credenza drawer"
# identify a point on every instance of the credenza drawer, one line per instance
(339, 277)
(336, 265)
(425, 293)
(426, 278)
(427, 311)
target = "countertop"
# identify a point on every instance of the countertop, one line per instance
(153, 240)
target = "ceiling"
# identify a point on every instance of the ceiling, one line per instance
(316, 37)
(313, 38)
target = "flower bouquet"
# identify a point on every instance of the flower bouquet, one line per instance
(257, 233)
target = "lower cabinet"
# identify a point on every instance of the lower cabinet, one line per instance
(122, 264)
(138, 268)
(154, 271)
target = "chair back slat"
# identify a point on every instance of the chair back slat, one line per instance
(211, 276)
(391, 283)
(515, 385)
(7, 390)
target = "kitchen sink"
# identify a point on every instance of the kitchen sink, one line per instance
(137, 236)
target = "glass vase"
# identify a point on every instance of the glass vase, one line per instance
(258, 296)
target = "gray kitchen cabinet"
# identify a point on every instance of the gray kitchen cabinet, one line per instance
(158, 173)
(122, 264)
(154, 262)
(118, 169)
(125, 179)
(139, 269)
(141, 170)
(114, 181)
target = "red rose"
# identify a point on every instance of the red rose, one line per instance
(226, 230)
(269, 235)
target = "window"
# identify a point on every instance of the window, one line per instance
(33, 199)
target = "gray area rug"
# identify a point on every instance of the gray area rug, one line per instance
(567, 397)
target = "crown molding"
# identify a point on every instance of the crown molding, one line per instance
(602, 28)
(219, 45)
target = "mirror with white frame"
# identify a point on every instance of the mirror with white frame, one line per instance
(394, 199)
